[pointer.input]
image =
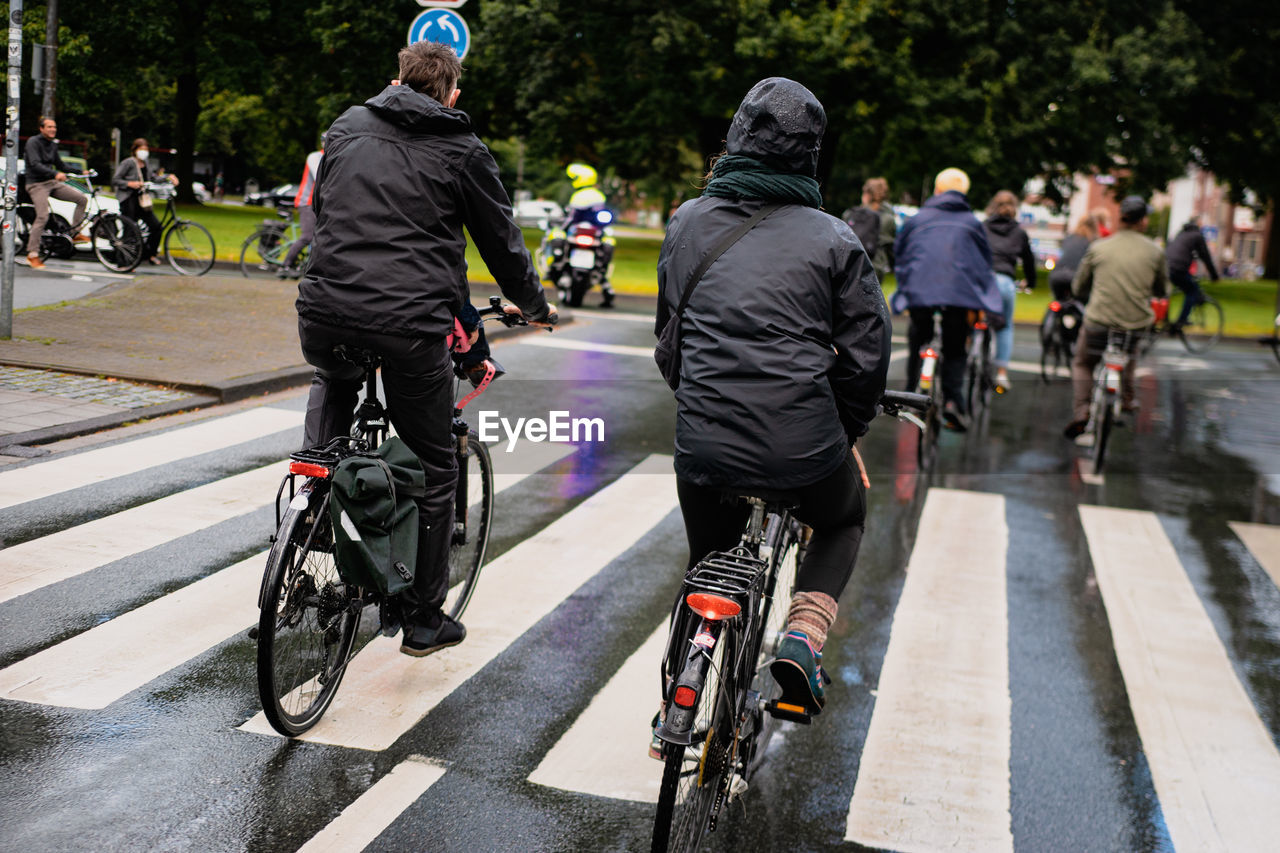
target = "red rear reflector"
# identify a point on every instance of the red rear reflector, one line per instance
(930, 352)
(979, 326)
(1055, 306)
(685, 697)
(308, 469)
(713, 607)
(584, 241)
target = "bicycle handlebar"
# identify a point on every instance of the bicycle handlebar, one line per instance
(893, 402)
(510, 320)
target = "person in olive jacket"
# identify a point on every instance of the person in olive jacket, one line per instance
(401, 176)
(784, 353)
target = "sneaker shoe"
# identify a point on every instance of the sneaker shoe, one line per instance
(1074, 429)
(34, 262)
(81, 238)
(954, 418)
(798, 671)
(1002, 383)
(420, 641)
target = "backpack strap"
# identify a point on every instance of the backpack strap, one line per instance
(720, 248)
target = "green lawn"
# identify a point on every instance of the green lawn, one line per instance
(1250, 306)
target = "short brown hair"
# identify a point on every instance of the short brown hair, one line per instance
(138, 143)
(41, 121)
(877, 188)
(1003, 203)
(430, 68)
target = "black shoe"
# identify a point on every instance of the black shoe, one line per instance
(420, 641)
(954, 418)
(1074, 429)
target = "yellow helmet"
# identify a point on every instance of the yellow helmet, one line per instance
(581, 174)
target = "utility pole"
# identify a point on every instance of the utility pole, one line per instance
(50, 58)
(14, 93)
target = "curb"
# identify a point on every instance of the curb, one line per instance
(18, 443)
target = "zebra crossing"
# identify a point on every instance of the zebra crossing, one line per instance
(934, 770)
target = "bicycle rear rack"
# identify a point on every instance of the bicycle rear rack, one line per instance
(735, 574)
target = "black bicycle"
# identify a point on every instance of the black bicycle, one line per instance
(116, 240)
(1059, 330)
(979, 370)
(719, 700)
(309, 616)
(1105, 405)
(188, 246)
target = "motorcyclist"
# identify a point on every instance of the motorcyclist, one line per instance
(587, 204)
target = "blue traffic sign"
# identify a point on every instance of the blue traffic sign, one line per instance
(444, 26)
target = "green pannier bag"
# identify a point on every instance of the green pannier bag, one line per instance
(375, 517)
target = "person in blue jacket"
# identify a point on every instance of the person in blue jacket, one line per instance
(944, 264)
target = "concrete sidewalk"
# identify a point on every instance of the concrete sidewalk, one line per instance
(151, 346)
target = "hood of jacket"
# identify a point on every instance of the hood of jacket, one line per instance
(1001, 225)
(417, 112)
(779, 123)
(952, 201)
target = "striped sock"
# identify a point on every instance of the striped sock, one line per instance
(812, 613)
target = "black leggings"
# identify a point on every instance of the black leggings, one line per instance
(835, 507)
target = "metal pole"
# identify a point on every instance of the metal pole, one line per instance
(50, 59)
(11, 166)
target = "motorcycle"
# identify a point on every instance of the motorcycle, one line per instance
(579, 257)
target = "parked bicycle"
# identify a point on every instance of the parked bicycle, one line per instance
(719, 702)
(187, 246)
(1201, 330)
(267, 247)
(309, 616)
(1059, 330)
(116, 240)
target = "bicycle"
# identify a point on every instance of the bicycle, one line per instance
(309, 616)
(718, 704)
(188, 246)
(268, 246)
(1201, 330)
(980, 380)
(116, 240)
(1059, 330)
(1105, 405)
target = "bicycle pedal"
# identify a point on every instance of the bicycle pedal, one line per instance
(787, 711)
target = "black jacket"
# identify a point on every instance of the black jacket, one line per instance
(1187, 246)
(400, 178)
(42, 160)
(1010, 244)
(785, 344)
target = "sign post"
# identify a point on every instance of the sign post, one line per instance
(13, 95)
(439, 23)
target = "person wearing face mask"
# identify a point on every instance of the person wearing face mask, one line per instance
(135, 202)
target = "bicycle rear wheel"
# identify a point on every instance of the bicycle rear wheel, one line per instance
(308, 620)
(1102, 433)
(261, 251)
(1203, 328)
(694, 775)
(473, 515)
(117, 242)
(189, 248)
(927, 448)
(783, 565)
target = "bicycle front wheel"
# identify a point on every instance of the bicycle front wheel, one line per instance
(261, 251)
(308, 621)
(117, 243)
(472, 516)
(189, 248)
(1203, 328)
(693, 775)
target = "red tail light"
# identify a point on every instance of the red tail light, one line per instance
(309, 469)
(980, 326)
(930, 352)
(1055, 306)
(685, 697)
(713, 607)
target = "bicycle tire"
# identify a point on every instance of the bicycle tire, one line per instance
(117, 242)
(1203, 328)
(473, 517)
(189, 248)
(692, 776)
(783, 566)
(258, 251)
(927, 446)
(1102, 434)
(308, 619)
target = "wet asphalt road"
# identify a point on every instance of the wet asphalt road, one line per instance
(164, 766)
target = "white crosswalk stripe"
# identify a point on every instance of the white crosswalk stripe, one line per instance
(1263, 541)
(386, 693)
(97, 667)
(365, 819)
(585, 346)
(68, 553)
(934, 773)
(1215, 767)
(71, 472)
(591, 757)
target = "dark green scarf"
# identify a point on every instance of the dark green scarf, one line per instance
(734, 176)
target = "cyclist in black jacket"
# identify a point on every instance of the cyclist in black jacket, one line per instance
(401, 176)
(1184, 249)
(44, 179)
